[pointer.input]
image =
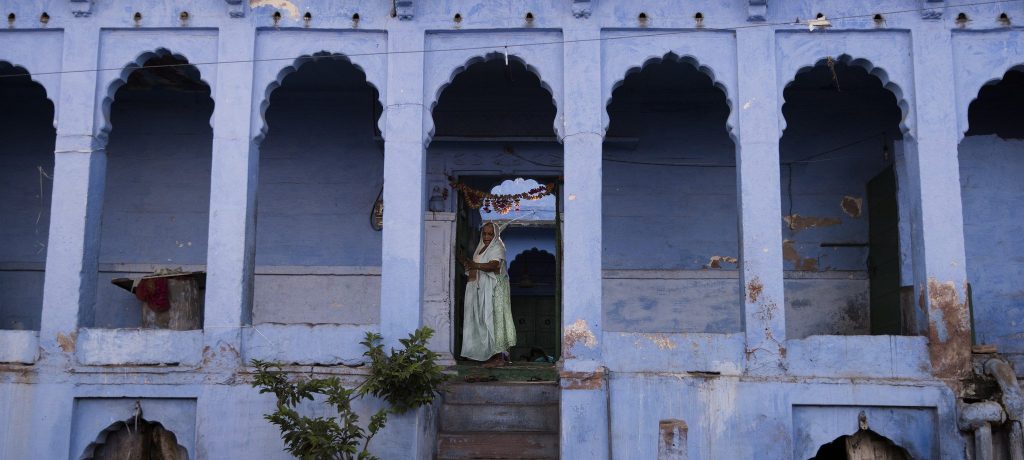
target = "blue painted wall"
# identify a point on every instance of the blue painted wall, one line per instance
(736, 352)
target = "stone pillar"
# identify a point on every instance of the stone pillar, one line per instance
(69, 290)
(757, 165)
(404, 189)
(233, 177)
(73, 248)
(410, 435)
(940, 274)
(584, 396)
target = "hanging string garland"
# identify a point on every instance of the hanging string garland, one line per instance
(502, 204)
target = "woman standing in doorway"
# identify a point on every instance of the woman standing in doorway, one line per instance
(488, 330)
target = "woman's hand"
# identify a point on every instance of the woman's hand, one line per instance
(468, 264)
(493, 266)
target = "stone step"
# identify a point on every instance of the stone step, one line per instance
(502, 393)
(512, 445)
(461, 418)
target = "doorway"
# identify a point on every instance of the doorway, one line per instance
(532, 237)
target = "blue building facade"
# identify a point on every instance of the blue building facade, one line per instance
(779, 221)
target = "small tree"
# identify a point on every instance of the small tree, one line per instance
(406, 379)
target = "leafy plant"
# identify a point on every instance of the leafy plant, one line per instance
(406, 379)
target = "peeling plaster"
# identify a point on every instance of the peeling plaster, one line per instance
(754, 289)
(662, 341)
(582, 380)
(789, 253)
(949, 330)
(291, 8)
(796, 222)
(852, 206)
(716, 261)
(67, 342)
(578, 332)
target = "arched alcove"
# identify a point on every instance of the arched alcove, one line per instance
(842, 196)
(862, 444)
(533, 279)
(669, 203)
(991, 157)
(135, 439)
(321, 167)
(26, 179)
(157, 186)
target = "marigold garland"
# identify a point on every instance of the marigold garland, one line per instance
(502, 204)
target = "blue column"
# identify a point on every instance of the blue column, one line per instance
(410, 435)
(757, 164)
(940, 274)
(584, 380)
(229, 259)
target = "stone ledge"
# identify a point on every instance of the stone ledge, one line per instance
(20, 347)
(306, 344)
(858, 356)
(139, 347)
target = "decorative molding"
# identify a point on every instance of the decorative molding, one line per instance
(757, 10)
(933, 9)
(81, 8)
(404, 9)
(236, 9)
(581, 8)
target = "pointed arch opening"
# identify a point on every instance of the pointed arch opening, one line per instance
(26, 179)
(669, 204)
(845, 203)
(135, 439)
(991, 160)
(321, 172)
(156, 194)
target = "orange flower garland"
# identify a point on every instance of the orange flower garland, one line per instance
(502, 204)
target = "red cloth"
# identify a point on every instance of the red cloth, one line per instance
(153, 291)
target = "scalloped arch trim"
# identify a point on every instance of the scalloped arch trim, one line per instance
(101, 438)
(484, 58)
(993, 79)
(872, 70)
(686, 59)
(126, 71)
(295, 66)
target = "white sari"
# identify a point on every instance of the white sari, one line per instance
(487, 327)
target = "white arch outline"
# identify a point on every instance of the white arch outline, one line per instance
(295, 66)
(103, 134)
(689, 59)
(477, 59)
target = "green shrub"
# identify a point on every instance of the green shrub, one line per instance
(406, 379)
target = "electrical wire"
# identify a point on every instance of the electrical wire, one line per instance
(523, 45)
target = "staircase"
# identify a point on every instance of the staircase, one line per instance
(512, 420)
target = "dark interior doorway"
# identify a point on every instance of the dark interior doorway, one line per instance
(533, 253)
(883, 254)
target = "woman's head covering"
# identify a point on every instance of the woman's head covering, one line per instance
(494, 251)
